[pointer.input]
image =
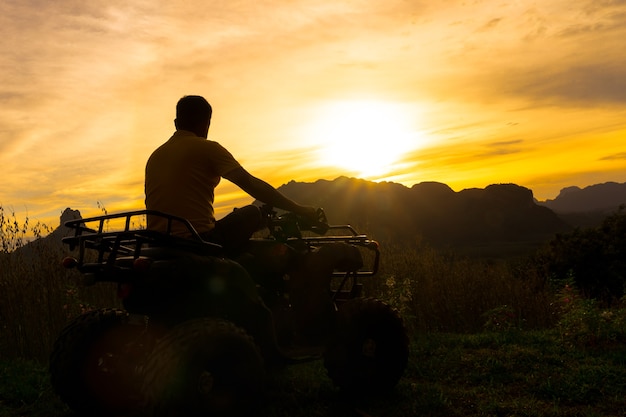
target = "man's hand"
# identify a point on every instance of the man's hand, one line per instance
(313, 214)
(315, 217)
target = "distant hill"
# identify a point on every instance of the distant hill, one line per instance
(587, 207)
(52, 243)
(600, 197)
(499, 215)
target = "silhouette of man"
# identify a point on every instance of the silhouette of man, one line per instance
(180, 179)
(181, 176)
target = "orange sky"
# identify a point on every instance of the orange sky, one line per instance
(468, 93)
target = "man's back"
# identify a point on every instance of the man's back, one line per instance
(181, 176)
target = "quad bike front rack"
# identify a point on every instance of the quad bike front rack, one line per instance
(347, 283)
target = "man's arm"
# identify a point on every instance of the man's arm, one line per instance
(264, 192)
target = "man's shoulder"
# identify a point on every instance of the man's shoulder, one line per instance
(185, 144)
(184, 138)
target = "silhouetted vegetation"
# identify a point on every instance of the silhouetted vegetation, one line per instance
(489, 336)
(593, 259)
(38, 295)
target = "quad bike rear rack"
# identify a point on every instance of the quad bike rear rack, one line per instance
(129, 238)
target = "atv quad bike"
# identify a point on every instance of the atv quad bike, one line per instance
(198, 330)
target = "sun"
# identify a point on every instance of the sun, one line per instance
(364, 138)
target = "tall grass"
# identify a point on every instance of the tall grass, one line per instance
(436, 291)
(37, 295)
(442, 291)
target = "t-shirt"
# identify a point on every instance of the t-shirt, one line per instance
(181, 176)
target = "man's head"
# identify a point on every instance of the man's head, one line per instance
(193, 113)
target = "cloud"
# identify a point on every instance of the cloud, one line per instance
(491, 24)
(549, 54)
(577, 85)
(89, 87)
(500, 149)
(617, 156)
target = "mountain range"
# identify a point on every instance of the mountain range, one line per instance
(499, 218)
(587, 207)
(595, 198)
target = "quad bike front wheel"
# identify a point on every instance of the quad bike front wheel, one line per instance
(203, 367)
(92, 367)
(369, 350)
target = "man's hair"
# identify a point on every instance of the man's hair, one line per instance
(191, 110)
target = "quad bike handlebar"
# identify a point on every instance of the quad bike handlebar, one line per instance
(290, 225)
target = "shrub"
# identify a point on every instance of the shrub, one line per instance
(594, 257)
(583, 322)
(502, 318)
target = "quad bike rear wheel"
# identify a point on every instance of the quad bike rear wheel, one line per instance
(369, 350)
(92, 368)
(203, 367)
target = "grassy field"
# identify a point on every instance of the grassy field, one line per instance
(512, 373)
(489, 338)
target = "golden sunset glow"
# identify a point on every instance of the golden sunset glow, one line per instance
(364, 137)
(464, 93)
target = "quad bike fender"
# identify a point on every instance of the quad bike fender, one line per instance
(191, 286)
(216, 286)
